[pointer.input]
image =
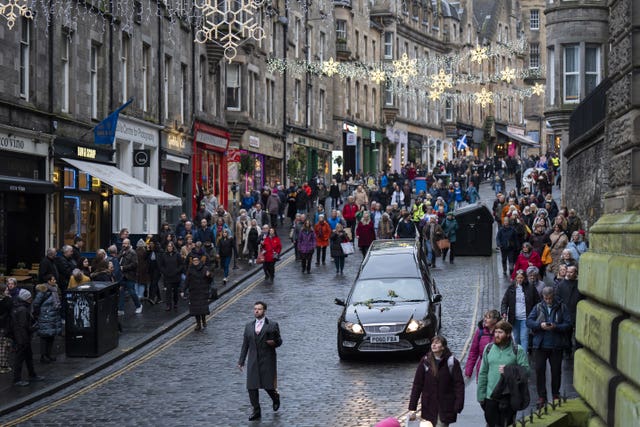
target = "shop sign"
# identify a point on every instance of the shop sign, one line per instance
(213, 140)
(135, 133)
(176, 142)
(254, 141)
(347, 127)
(86, 152)
(233, 155)
(351, 139)
(12, 142)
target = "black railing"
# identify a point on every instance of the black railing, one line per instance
(591, 111)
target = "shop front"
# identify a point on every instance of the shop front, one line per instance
(351, 148)
(397, 148)
(88, 184)
(512, 142)
(266, 152)
(137, 154)
(209, 171)
(82, 205)
(314, 158)
(371, 141)
(24, 200)
(175, 173)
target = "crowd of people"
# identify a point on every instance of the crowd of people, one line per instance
(540, 246)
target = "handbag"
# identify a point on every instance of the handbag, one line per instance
(347, 248)
(260, 258)
(276, 256)
(443, 244)
(546, 255)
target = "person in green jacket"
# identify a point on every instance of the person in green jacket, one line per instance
(450, 228)
(503, 352)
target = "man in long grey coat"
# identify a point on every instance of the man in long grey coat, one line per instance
(261, 338)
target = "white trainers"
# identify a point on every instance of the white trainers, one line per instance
(120, 313)
(139, 309)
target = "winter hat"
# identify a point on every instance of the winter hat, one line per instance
(532, 269)
(140, 243)
(24, 295)
(388, 422)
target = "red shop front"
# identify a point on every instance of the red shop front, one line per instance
(209, 163)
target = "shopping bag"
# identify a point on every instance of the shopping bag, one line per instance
(260, 258)
(443, 244)
(347, 248)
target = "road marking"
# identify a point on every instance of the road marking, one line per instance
(472, 330)
(404, 413)
(143, 358)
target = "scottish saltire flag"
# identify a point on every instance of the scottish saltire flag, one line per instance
(462, 143)
(105, 131)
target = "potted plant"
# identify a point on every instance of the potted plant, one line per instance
(21, 269)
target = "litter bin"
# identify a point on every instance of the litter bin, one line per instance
(475, 231)
(421, 185)
(91, 326)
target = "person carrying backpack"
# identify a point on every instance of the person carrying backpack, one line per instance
(439, 384)
(497, 356)
(549, 321)
(482, 337)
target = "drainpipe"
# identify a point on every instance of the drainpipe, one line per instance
(284, 20)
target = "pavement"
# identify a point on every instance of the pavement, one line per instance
(138, 330)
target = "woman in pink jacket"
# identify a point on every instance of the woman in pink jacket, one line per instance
(482, 337)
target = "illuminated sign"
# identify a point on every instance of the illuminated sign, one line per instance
(87, 153)
(175, 141)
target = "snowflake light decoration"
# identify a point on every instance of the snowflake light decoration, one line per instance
(441, 81)
(538, 89)
(229, 23)
(484, 97)
(508, 74)
(330, 67)
(14, 8)
(434, 95)
(405, 68)
(479, 54)
(378, 76)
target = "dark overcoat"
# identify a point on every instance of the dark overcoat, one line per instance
(261, 359)
(441, 395)
(197, 283)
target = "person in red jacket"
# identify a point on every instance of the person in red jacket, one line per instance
(482, 337)
(323, 232)
(527, 258)
(439, 384)
(272, 246)
(349, 212)
(366, 233)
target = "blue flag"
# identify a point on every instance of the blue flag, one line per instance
(462, 143)
(105, 131)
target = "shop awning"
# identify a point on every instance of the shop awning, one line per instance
(125, 184)
(520, 138)
(25, 185)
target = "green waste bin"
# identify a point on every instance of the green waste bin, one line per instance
(91, 325)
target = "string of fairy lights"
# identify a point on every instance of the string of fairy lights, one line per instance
(230, 23)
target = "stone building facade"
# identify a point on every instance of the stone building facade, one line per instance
(577, 35)
(603, 154)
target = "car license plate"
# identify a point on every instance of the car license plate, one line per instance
(381, 339)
